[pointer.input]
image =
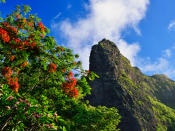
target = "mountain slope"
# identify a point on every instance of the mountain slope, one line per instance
(144, 102)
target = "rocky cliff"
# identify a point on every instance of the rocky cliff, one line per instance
(146, 103)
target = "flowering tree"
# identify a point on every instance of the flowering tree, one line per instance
(38, 89)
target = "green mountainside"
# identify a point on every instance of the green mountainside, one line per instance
(146, 103)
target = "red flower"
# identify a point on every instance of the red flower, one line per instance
(33, 44)
(41, 26)
(30, 24)
(52, 67)
(58, 48)
(4, 35)
(14, 85)
(24, 20)
(70, 74)
(63, 71)
(69, 86)
(62, 49)
(5, 24)
(73, 93)
(17, 40)
(12, 58)
(20, 46)
(17, 44)
(21, 23)
(13, 29)
(42, 35)
(18, 16)
(24, 64)
(25, 43)
(7, 72)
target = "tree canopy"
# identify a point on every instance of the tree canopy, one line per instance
(42, 84)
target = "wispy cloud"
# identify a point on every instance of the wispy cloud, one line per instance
(106, 19)
(69, 6)
(57, 16)
(167, 53)
(171, 26)
(163, 65)
(129, 50)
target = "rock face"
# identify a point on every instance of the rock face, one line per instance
(139, 98)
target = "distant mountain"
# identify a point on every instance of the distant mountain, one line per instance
(146, 103)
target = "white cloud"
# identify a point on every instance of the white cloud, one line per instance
(106, 19)
(171, 26)
(58, 15)
(129, 50)
(156, 67)
(69, 6)
(163, 65)
(167, 53)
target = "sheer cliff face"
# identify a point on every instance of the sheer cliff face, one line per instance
(105, 61)
(126, 88)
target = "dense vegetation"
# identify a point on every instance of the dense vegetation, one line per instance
(146, 103)
(154, 94)
(42, 85)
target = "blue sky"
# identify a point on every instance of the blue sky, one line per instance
(143, 30)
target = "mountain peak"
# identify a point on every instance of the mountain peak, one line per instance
(139, 98)
(108, 56)
(107, 44)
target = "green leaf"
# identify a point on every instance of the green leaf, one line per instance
(26, 9)
(64, 128)
(96, 75)
(2, 1)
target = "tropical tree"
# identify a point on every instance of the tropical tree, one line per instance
(42, 84)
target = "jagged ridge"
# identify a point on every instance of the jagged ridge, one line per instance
(141, 100)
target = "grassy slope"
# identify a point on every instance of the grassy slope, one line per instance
(152, 90)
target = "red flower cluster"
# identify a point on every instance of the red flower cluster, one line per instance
(17, 43)
(63, 70)
(18, 16)
(21, 23)
(4, 35)
(12, 82)
(26, 44)
(33, 44)
(70, 75)
(9, 34)
(9, 28)
(7, 72)
(13, 29)
(73, 93)
(8, 31)
(69, 86)
(52, 67)
(14, 85)
(30, 23)
(60, 48)
(24, 64)
(12, 58)
(41, 26)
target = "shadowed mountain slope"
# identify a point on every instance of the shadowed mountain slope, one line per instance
(144, 102)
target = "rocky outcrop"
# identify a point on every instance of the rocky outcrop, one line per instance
(122, 86)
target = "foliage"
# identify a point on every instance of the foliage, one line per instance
(2, 1)
(165, 116)
(38, 89)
